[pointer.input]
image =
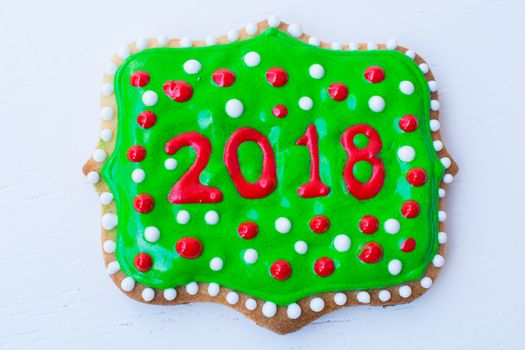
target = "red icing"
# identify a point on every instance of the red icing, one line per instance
(369, 153)
(136, 153)
(368, 224)
(374, 74)
(314, 187)
(280, 111)
(179, 91)
(139, 79)
(338, 91)
(143, 262)
(276, 76)
(324, 267)
(143, 203)
(189, 189)
(147, 119)
(319, 224)
(189, 247)
(371, 252)
(281, 270)
(408, 245)
(223, 77)
(410, 209)
(248, 230)
(408, 123)
(417, 177)
(268, 179)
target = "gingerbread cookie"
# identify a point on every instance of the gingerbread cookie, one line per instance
(271, 172)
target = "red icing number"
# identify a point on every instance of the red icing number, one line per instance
(314, 187)
(268, 179)
(368, 154)
(189, 189)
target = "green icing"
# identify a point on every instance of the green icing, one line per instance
(205, 113)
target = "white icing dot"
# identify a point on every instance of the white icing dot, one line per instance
(283, 225)
(391, 44)
(250, 304)
(111, 68)
(232, 35)
(424, 68)
(441, 193)
(353, 46)
(394, 267)
(301, 247)
(192, 66)
(438, 261)
(192, 288)
(371, 46)
(93, 177)
(163, 40)
(392, 226)
(306, 103)
(186, 42)
(109, 221)
(252, 59)
(127, 284)
(234, 108)
(384, 295)
(106, 198)
(336, 45)
(250, 256)
(274, 21)
(432, 85)
(446, 163)
(434, 125)
(426, 282)
(316, 71)
(406, 87)
(293, 311)
(113, 267)
(342, 243)
(170, 294)
(148, 294)
(232, 298)
(317, 304)
(106, 113)
(438, 145)
(109, 246)
(448, 178)
(138, 176)
(376, 103)
(124, 52)
(216, 264)
(434, 105)
(406, 153)
(99, 155)
(363, 297)
(183, 217)
(442, 237)
(106, 134)
(210, 40)
(410, 54)
(211, 217)
(170, 164)
(314, 41)
(106, 89)
(151, 234)
(141, 43)
(251, 29)
(442, 216)
(213, 289)
(150, 98)
(295, 30)
(269, 309)
(405, 291)
(340, 299)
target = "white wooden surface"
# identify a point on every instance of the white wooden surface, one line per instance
(54, 292)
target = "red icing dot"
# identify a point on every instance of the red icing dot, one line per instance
(338, 91)
(143, 262)
(139, 79)
(189, 247)
(417, 177)
(408, 245)
(179, 91)
(371, 252)
(147, 119)
(410, 209)
(143, 203)
(408, 123)
(223, 77)
(136, 153)
(319, 224)
(374, 74)
(281, 270)
(276, 76)
(324, 267)
(248, 230)
(368, 224)
(280, 111)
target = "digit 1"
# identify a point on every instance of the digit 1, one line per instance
(314, 187)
